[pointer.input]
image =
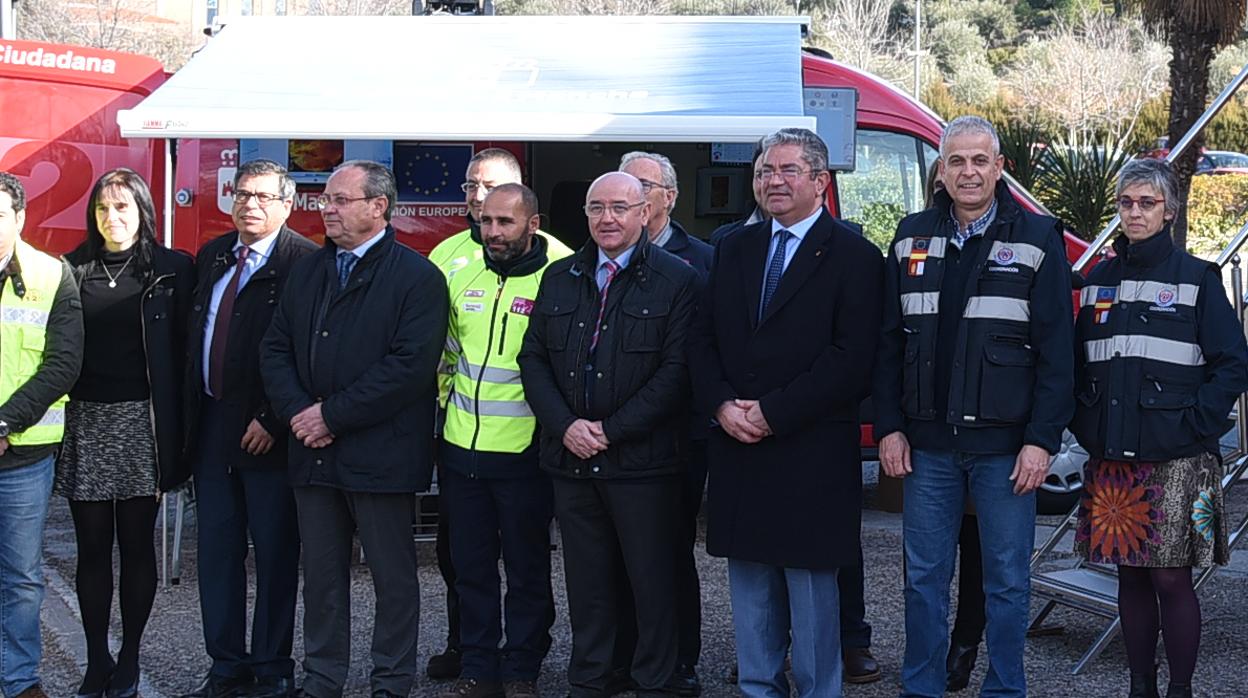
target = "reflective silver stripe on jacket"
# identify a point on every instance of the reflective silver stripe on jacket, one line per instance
(491, 408)
(1144, 347)
(490, 375)
(54, 417)
(452, 345)
(997, 308)
(920, 303)
(24, 316)
(1016, 253)
(1134, 291)
(935, 248)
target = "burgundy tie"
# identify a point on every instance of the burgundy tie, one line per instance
(612, 269)
(221, 328)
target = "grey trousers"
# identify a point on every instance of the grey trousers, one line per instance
(327, 519)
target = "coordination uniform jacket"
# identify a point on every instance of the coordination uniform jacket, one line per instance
(1011, 375)
(489, 429)
(1160, 357)
(369, 353)
(640, 377)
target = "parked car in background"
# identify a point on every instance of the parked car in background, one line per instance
(1222, 162)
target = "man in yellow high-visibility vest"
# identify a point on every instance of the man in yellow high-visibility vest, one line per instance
(40, 355)
(500, 502)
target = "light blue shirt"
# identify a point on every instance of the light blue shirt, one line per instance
(622, 260)
(367, 244)
(798, 230)
(256, 258)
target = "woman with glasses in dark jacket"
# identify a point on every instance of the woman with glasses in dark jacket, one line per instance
(122, 425)
(1160, 358)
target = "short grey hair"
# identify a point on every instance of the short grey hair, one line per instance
(814, 150)
(666, 169)
(378, 181)
(970, 125)
(502, 156)
(1157, 174)
(261, 167)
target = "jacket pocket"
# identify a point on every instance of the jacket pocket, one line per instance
(1086, 424)
(911, 378)
(557, 315)
(1007, 381)
(1165, 431)
(644, 325)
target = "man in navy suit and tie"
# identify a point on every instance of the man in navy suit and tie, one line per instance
(785, 339)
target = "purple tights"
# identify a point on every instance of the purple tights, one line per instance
(1160, 599)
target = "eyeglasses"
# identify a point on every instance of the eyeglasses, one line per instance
(472, 187)
(1146, 203)
(242, 196)
(323, 202)
(617, 210)
(647, 185)
(788, 173)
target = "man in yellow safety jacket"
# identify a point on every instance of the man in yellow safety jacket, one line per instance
(498, 499)
(40, 355)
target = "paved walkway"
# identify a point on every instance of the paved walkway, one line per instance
(173, 658)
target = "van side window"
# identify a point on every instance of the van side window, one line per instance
(887, 183)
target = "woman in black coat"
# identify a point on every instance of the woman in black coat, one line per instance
(122, 424)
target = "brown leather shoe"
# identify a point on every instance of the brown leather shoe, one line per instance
(521, 689)
(35, 691)
(860, 666)
(473, 688)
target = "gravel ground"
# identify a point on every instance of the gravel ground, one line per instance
(174, 660)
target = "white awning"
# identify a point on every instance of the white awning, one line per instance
(687, 79)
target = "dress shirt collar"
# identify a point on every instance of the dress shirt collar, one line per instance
(621, 259)
(261, 249)
(800, 228)
(367, 244)
(977, 226)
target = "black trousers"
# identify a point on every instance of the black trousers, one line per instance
(855, 631)
(446, 568)
(607, 525)
(229, 506)
(327, 519)
(507, 517)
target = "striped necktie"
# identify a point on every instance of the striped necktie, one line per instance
(612, 269)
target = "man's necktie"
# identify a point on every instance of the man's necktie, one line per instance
(346, 262)
(612, 269)
(221, 327)
(775, 269)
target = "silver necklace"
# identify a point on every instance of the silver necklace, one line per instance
(112, 278)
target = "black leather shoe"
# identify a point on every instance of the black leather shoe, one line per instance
(272, 687)
(131, 691)
(860, 666)
(214, 686)
(447, 665)
(684, 681)
(1144, 684)
(959, 665)
(1179, 690)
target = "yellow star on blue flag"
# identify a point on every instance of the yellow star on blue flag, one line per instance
(428, 173)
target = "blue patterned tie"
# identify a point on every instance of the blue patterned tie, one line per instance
(346, 262)
(774, 269)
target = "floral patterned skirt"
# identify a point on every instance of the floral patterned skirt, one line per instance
(1167, 514)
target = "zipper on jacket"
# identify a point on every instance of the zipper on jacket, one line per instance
(502, 340)
(151, 408)
(485, 361)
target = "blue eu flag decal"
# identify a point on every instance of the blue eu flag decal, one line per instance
(430, 173)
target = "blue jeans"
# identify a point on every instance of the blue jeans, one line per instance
(24, 494)
(935, 495)
(773, 606)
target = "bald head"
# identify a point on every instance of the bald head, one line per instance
(617, 209)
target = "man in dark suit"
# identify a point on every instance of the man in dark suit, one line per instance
(603, 367)
(658, 180)
(785, 337)
(237, 445)
(350, 364)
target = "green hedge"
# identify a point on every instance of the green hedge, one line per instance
(1217, 208)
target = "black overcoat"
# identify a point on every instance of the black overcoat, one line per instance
(370, 354)
(795, 498)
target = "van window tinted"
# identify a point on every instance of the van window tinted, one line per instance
(887, 183)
